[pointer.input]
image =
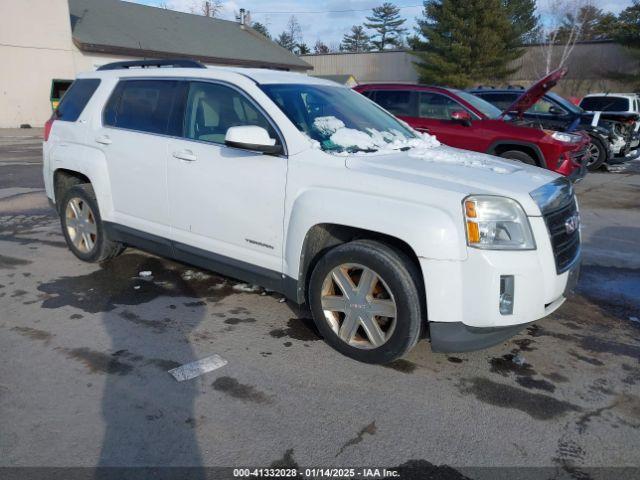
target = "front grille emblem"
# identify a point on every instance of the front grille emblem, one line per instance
(572, 223)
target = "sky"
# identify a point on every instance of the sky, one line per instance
(328, 20)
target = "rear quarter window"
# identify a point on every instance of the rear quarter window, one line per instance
(76, 99)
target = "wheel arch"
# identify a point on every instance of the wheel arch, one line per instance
(500, 146)
(323, 237)
(76, 164)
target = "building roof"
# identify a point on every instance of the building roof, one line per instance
(118, 27)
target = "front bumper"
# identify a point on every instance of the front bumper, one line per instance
(463, 304)
(578, 174)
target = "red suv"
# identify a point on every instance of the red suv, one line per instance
(460, 119)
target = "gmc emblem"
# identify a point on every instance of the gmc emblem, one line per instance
(572, 223)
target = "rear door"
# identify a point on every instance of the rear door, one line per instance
(135, 125)
(226, 203)
(401, 103)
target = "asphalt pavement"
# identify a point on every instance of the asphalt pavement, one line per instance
(85, 352)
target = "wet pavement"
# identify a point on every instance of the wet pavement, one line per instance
(85, 350)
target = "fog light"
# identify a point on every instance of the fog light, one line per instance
(506, 294)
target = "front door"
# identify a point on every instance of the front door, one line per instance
(225, 202)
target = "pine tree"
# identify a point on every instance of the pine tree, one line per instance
(356, 40)
(594, 24)
(524, 21)
(302, 49)
(627, 32)
(385, 20)
(465, 41)
(285, 41)
(260, 28)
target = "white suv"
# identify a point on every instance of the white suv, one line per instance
(310, 189)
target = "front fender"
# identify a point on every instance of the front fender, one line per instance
(90, 162)
(431, 231)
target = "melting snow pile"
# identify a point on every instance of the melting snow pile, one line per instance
(425, 147)
(369, 139)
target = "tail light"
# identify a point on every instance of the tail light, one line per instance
(47, 126)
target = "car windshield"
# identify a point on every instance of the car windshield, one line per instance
(564, 103)
(478, 103)
(340, 119)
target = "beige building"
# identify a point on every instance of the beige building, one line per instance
(44, 43)
(590, 66)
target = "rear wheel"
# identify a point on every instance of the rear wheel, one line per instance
(366, 302)
(596, 154)
(82, 226)
(519, 156)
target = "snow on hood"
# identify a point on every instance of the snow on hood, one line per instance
(369, 139)
(454, 156)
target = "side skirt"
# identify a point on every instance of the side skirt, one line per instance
(204, 259)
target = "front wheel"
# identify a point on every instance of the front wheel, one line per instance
(82, 226)
(366, 302)
(596, 155)
(519, 156)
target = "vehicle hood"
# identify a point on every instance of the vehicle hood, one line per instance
(452, 169)
(535, 92)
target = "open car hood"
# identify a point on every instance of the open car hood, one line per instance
(535, 92)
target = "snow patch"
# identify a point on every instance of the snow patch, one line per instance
(327, 125)
(454, 156)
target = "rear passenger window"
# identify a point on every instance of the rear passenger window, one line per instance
(142, 105)
(500, 100)
(212, 109)
(76, 99)
(398, 102)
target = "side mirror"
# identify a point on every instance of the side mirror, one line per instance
(250, 137)
(461, 116)
(553, 110)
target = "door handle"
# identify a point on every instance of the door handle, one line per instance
(104, 140)
(422, 129)
(186, 155)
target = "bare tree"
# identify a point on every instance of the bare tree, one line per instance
(207, 8)
(561, 31)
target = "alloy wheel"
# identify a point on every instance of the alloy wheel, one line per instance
(81, 224)
(358, 306)
(593, 153)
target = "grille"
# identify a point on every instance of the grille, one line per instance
(566, 246)
(578, 156)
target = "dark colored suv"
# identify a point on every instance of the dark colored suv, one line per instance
(460, 119)
(555, 112)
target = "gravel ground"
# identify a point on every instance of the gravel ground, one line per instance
(85, 350)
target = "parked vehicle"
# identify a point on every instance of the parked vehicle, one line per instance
(309, 189)
(460, 119)
(625, 107)
(607, 132)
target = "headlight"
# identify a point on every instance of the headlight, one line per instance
(497, 223)
(565, 137)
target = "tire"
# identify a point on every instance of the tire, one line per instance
(398, 283)
(519, 156)
(597, 154)
(94, 245)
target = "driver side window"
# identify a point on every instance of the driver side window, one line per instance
(213, 108)
(545, 107)
(436, 106)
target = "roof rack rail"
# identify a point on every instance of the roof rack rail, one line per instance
(178, 63)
